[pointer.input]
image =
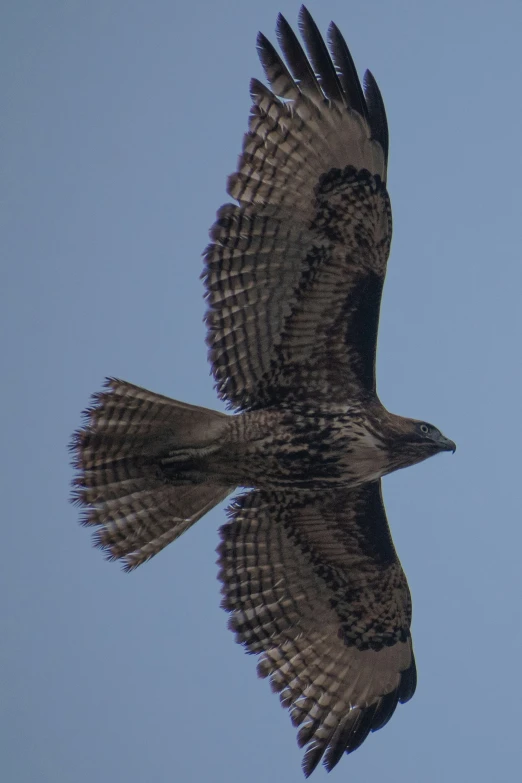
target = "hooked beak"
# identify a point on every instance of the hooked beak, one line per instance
(446, 444)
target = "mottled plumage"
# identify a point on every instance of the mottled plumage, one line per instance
(293, 275)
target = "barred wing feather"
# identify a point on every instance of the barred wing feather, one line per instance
(295, 269)
(314, 587)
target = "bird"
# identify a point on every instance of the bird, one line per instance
(293, 278)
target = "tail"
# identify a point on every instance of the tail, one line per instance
(140, 459)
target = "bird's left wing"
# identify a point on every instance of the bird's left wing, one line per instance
(295, 270)
(314, 587)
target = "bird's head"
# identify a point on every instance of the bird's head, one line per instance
(426, 436)
(413, 441)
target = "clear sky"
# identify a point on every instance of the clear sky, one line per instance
(121, 121)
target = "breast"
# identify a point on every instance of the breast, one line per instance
(366, 458)
(301, 449)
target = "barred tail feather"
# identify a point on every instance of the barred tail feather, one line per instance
(140, 461)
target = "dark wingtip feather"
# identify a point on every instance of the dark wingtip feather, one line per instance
(349, 735)
(311, 758)
(338, 743)
(408, 682)
(361, 729)
(385, 709)
(320, 57)
(265, 49)
(275, 69)
(346, 71)
(295, 57)
(376, 113)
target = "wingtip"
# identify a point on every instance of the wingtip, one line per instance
(281, 22)
(311, 759)
(304, 16)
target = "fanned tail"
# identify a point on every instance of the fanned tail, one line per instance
(140, 460)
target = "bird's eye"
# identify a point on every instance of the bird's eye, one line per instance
(424, 429)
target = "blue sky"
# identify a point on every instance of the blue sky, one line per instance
(121, 121)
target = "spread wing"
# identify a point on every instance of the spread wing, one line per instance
(314, 587)
(295, 270)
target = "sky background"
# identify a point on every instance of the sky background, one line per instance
(121, 121)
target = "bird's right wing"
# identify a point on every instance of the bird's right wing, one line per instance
(314, 587)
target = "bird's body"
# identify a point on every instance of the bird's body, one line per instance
(294, 276)
(307, 449)
(300, 447)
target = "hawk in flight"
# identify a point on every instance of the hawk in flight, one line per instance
(293, 277)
